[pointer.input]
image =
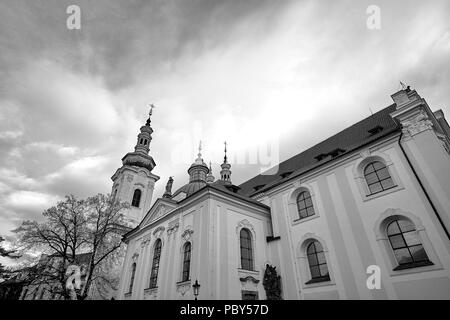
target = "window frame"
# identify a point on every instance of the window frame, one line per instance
(139, 191)
(132, 277)
(154, 271)
(304, 200)
(186, 263)
(292, 203)
(247, 293)
(320, 278)
(379, 180)
(408, 265)
(303, 269)
(380, 228)
(250, 257)
(358, 173)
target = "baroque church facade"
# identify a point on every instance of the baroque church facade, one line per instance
(365, 214)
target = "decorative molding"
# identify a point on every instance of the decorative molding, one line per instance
(159, 212)
(158, 231)
(365, 153)
(138, 184)
(187, 234)
(390, 214)
(142, 173)
(245, 224)
(297, 184)
(135, 257)
(146, 240)
(249, 278)
(173, 228)
(259, 196)
(151, 293)
(184, 287)
(129, 177)
(417, 124)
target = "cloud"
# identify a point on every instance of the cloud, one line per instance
(253, 72)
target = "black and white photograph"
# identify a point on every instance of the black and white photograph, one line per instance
(201, 151)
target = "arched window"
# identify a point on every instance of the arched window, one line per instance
(406, 244)
(155, 264)
(186, 261)
(136, 198)
(133, 273)
(317, 262)
(304, 205)
(377, 177)
(246, 250)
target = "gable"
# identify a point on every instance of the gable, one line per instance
(159, 209)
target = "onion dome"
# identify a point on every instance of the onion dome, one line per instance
(140, 156)
(197, 176)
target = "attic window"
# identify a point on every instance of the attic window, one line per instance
(375, 130)
(232, 188)
(258, 187)
(336, 152)
(333, 153)
(321, 156)
(285, 174)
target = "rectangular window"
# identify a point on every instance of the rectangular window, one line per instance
(249, 295)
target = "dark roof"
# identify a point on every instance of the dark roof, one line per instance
(349, 139)
(220, 185)
(190, 188)
(228, 189)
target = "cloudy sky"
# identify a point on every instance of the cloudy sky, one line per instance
(260, 74)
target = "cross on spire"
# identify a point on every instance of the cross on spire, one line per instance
(152, 106)
(225, 158)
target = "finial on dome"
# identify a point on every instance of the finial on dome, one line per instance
(210, 178)
(225, 157)
(225, 173)
(150, 114)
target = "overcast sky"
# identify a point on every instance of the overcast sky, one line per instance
(256, 73)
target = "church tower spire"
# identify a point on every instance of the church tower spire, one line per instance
(134, 181)
(210, 178)
(198, 170)
(145, 136)
(225, 173)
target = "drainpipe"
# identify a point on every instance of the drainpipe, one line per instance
(422, 187)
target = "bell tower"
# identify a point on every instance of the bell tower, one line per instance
(134, 182)
(225, 173)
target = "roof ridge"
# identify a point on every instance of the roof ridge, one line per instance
(288, 163)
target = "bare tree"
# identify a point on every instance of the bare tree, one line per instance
(5, 273)
(74, 230)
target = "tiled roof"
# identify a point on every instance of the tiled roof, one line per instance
(349, 139)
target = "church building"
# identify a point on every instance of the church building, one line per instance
(364, 214)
